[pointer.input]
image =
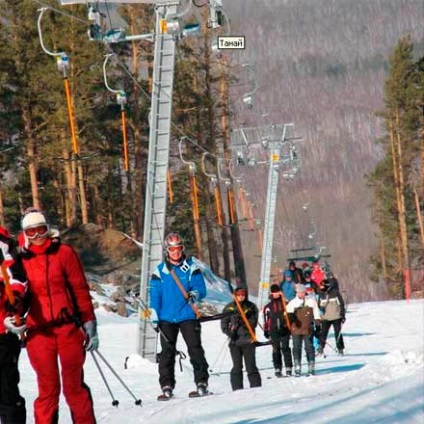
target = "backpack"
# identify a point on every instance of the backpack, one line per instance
(331, 308)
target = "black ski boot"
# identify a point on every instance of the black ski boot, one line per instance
(202, 389)
(167, 394)
(297, 369)
(288, 372)
(278, 373)
(167, 391)
(311, 368)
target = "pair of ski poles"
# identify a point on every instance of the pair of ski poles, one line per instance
(115, 402)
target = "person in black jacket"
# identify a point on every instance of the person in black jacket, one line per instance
(12, 404)
(334, 314)
(297, 273)
(277, 327)
(241, 344)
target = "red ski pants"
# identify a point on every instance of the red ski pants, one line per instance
(45, 347)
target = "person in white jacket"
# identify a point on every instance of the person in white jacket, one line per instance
(303, 313)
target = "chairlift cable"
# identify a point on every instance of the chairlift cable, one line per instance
(61, 12)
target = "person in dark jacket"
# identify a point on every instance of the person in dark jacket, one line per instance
(12, 404)
(311, 286)
(334, 314)
(332, 280)
(297, 273)
(174, 313)
(277, 327)
(60, 324)
(241, 344)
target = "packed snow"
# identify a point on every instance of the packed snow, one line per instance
(379, 380)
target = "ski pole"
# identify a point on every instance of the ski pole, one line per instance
(329, 345)
(219, 356)
(137, 401)
(114, 401)
(340, 334)
(146, 315)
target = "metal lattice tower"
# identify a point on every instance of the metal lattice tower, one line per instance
(156, 189)
(277, 140)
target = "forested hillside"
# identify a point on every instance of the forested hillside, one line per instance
(319, 64)
(322, 65)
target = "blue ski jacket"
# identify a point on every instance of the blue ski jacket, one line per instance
(165, 296)
(288, 289)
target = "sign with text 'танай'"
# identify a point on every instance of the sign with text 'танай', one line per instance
(232, 42)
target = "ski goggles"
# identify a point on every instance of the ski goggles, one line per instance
(39, 231)
(175, 249)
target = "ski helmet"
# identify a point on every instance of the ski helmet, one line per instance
(173, 240)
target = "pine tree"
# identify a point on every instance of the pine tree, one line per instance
(394, 209)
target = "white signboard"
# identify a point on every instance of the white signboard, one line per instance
(231, 42)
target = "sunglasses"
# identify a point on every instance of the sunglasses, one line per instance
(39, 231)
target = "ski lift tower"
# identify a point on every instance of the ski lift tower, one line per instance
(281, 150)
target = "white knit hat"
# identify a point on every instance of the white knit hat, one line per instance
(33, 219)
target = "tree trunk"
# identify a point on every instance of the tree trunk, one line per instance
(70, 199)
(196, 217)
(402, 215)
(32, 163)
(2, 220)
(383, 257)
(419, 215)
(83, 198)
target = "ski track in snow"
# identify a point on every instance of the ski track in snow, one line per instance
(379, 380)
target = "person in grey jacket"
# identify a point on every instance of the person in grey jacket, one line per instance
(334, 314)
(241, 344)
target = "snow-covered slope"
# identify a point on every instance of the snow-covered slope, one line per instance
(380, 379)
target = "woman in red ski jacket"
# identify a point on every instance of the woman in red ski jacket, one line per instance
(59, 303)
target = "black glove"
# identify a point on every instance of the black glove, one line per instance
(266, 334)
(343, 320)
(232, 334)
(192, 296)
(17, 307)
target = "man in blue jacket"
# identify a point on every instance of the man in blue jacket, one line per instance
(172, 299)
